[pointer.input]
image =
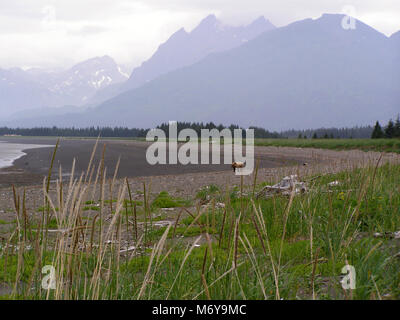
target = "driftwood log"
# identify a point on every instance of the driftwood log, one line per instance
(285, 187)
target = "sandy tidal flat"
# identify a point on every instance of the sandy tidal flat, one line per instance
(9, 152)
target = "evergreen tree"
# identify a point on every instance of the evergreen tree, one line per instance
(377, 133)
(315, 136)
(397, 127)
(390, 130)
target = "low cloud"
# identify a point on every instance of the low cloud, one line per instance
(88, 30)
(59, 33)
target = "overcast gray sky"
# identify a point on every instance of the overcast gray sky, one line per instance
(60, 33)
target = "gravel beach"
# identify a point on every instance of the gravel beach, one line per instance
(183, 181)
(31, 168)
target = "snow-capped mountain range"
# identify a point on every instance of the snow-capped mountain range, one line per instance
(38, 88)
(94, 81)
(309, 73)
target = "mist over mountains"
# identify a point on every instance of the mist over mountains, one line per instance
(186, 48)
(311, 73)
(36, 88)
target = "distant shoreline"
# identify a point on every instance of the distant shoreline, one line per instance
(35, 164)
(11, 152)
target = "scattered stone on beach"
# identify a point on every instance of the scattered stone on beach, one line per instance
(14, 247)
(392, 235)
(132, 248)
(285, 187)
(218, 205)
(162, 223)
(334, 184)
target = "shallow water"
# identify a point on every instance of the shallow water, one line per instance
(9, 152)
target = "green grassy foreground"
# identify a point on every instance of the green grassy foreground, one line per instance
(380, 145)
(283, 247)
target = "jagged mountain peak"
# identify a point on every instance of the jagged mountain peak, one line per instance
(334, 22)
(260, 25)
(260, 21)
(177, 36)
(96, 61)
(186, 48)
(208, 24)
(209, 20)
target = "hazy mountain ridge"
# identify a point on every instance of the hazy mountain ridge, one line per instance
(18, 90)
(186, 48)
(311, 73)
(36, 88)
